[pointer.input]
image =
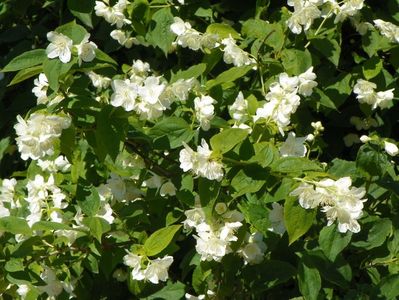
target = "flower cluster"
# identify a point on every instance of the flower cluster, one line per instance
(156, 270)
(188, 37)
(37, 136)
(387, 29)
(112, 14)
(283, 99)
(202, 162)
(339, 200)
(148, 95)
(214, 238)
(40, 193)
(61, 46)
(365, 91)
(234, 54)
(306, 11)
(204, 111)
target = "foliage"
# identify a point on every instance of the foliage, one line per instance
(164, 149)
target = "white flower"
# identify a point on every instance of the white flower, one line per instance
(276, 218)
(23, 290)
(182, 87)
(238, 110)
(365, 91)
(113, 15)
(53, 286)
(209, 245)
(387, 29)
(191, 297)
(36, 136)
(194, 217)
(365, 139)
(60, 46)
(157, 269)
(153, 182)
(61, 163)
(340, 201)
(40, 89)
(306, 82)
(106, 212)
(86, 50)
(253, 249)
(303, 16)
(179, 27)
(234, 54)
(391, 148)
(204, 110)
(123, 38)
(134, 261)
(384, 98)
(293, 146)
(7, 191)
(348, 9)
(125, 94)
(99, 81)
(205, 166)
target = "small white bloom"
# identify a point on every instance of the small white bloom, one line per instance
(23, 290)
(387, 29)
(293, 146)
(306, 82)
(305, 12)
(40, 89)
(99, 81)
(204, 110)
(60, 46)
(234, 54)
(391, 148)
(253, 249)
(86, 50)
(157, 269)
(125, 94)
(238, 110)
(276, 218)
(365, 139)
(191, 297)
(194, 217)
(123, 38)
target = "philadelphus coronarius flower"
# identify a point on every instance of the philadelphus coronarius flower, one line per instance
(283, 99)
(188, 37)
(234, 54)
(60, 46)
(202, 163)
(112, 14)
(391, 148)
(305, 12)
(387, 29)
(36, 136)
(204, 111)
(339, 200)
(86, 50)
(155, 271)
(253, 249)
(123, 38)
(99, 81)
(40, 89)
(293, 146)
(365, 91)
(276, 218)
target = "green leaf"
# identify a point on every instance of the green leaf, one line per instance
(296, 61)
(222, 30)
(177, 131)
(160, 239)
(389, 286)
(372, 67)
(271, 34)
(340, 89)
(309, 280)
(171, 291)
(82, 10)
(208, 191)
(4, 144)
(26, 60)
(192, 72)
(297, 220)
(26, 74)
(376, 236)
(372, 160)
(88, 200)
(342, 168)
(329, 48)
(15, 225)
(74, 31)
(104, 57)
(321, 98)
(47, 225)
(332, 242)
(265, 153)
(54, 69)
(372, 42)
(97, 226)
(243, 183)
(294, 165)
(227, 139)
(228, 76)
(159, 33)
(14, 265)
